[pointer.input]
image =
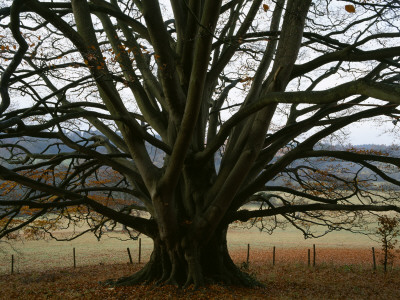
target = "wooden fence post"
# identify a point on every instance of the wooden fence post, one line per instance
(129, 254)
(12, 263)
(273, 256)
(248, 254)
(309, 257)
(373, 258)
(314, 254)
(73, 252)
(140, 249)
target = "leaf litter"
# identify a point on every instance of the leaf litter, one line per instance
(338, 274)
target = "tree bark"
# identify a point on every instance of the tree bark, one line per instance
(188, 264)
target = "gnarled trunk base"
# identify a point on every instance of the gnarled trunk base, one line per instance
(184, 267)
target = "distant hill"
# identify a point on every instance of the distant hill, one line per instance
(43, 146)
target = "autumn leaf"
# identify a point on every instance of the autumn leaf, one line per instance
(91, 56)
(246, 79)
(350, 8)
(265, 7)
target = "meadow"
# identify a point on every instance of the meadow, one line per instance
(42, 255)
(44, 268)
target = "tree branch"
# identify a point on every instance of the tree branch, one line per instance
(245, 215)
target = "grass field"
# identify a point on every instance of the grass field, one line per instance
(349, 278)
(40, 255)
(43, 269)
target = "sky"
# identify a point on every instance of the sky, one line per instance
(366, 133)
(371, 134)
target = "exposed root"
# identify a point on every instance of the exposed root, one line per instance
(191, 267)
(230, 276)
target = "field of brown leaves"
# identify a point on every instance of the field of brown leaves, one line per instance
(338, 274)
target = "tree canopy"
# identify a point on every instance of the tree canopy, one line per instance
(169, 117)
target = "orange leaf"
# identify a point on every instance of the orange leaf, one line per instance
(350, 8)
(265, 7)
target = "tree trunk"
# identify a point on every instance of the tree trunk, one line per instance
(188, 264)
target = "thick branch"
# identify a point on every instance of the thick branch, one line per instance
(23, 46)
(33, 204)
(345, 55)
(195, 93)
(245, 215)
(382, 91)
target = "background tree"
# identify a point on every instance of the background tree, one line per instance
(199, 107)
(388, 231)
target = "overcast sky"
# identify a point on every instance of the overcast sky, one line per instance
(372, 134)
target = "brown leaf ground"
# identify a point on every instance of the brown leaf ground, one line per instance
(339, 274)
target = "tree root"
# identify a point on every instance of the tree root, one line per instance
(230, 276)
(189, 267)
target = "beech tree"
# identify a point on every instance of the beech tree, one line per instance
(195, 108)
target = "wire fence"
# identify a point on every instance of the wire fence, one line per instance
(33, 256)
(247, 246)
(139, 251)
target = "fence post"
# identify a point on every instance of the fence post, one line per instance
(129, 254)
(248, 254)
(314, 255)
(309, 257)
(140, 249)
(73, 252)
(12, 263)
(373, 258)
(273, 256)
